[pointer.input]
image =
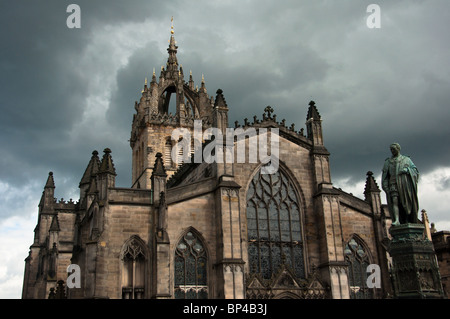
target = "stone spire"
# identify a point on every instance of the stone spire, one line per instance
(191, 81)
(220, 112)
(153, 78)
(172, 62)
(107, 165)
(372, 193)
(91, 169)
(50, 182)
(313, 113)
(203, 86)
(106, 177)
(48, 196)
(371, 185)
(159, 169)
(314, 125)
(220, 99)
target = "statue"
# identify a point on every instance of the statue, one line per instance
(399, 181)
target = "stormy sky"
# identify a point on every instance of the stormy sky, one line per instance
(66, 92)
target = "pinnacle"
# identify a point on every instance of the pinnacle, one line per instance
(50, 181)
(107, 165)
(91, 169)
(220, 99)
(159, 169)
(371, 184)
(313, 113)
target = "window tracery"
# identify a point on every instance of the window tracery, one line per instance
(190, 268)
(273, 225)
(358, 261)
(133, 270)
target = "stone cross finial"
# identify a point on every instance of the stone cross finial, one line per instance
(268, 110)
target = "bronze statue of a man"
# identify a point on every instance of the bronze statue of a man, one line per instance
(399, 181)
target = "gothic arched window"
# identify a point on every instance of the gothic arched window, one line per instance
(133, 269)
(190, 268)
(273, 224)
(358, 261)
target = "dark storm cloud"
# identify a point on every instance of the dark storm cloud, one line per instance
(43, 87)
(372, 87)
(39, 93)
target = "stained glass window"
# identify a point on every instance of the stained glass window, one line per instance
(358, 261)
(273, 225)
(190, 268)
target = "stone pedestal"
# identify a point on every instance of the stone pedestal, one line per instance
(415, 272)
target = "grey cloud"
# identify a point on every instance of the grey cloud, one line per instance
(371, 86)
(444, 183)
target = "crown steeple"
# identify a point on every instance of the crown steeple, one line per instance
(169, 102)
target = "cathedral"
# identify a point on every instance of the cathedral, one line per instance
(217, 229)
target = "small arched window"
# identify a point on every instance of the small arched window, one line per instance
(190, 268)
(358, 261)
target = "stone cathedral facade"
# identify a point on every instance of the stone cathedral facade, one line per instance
(209, 230)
